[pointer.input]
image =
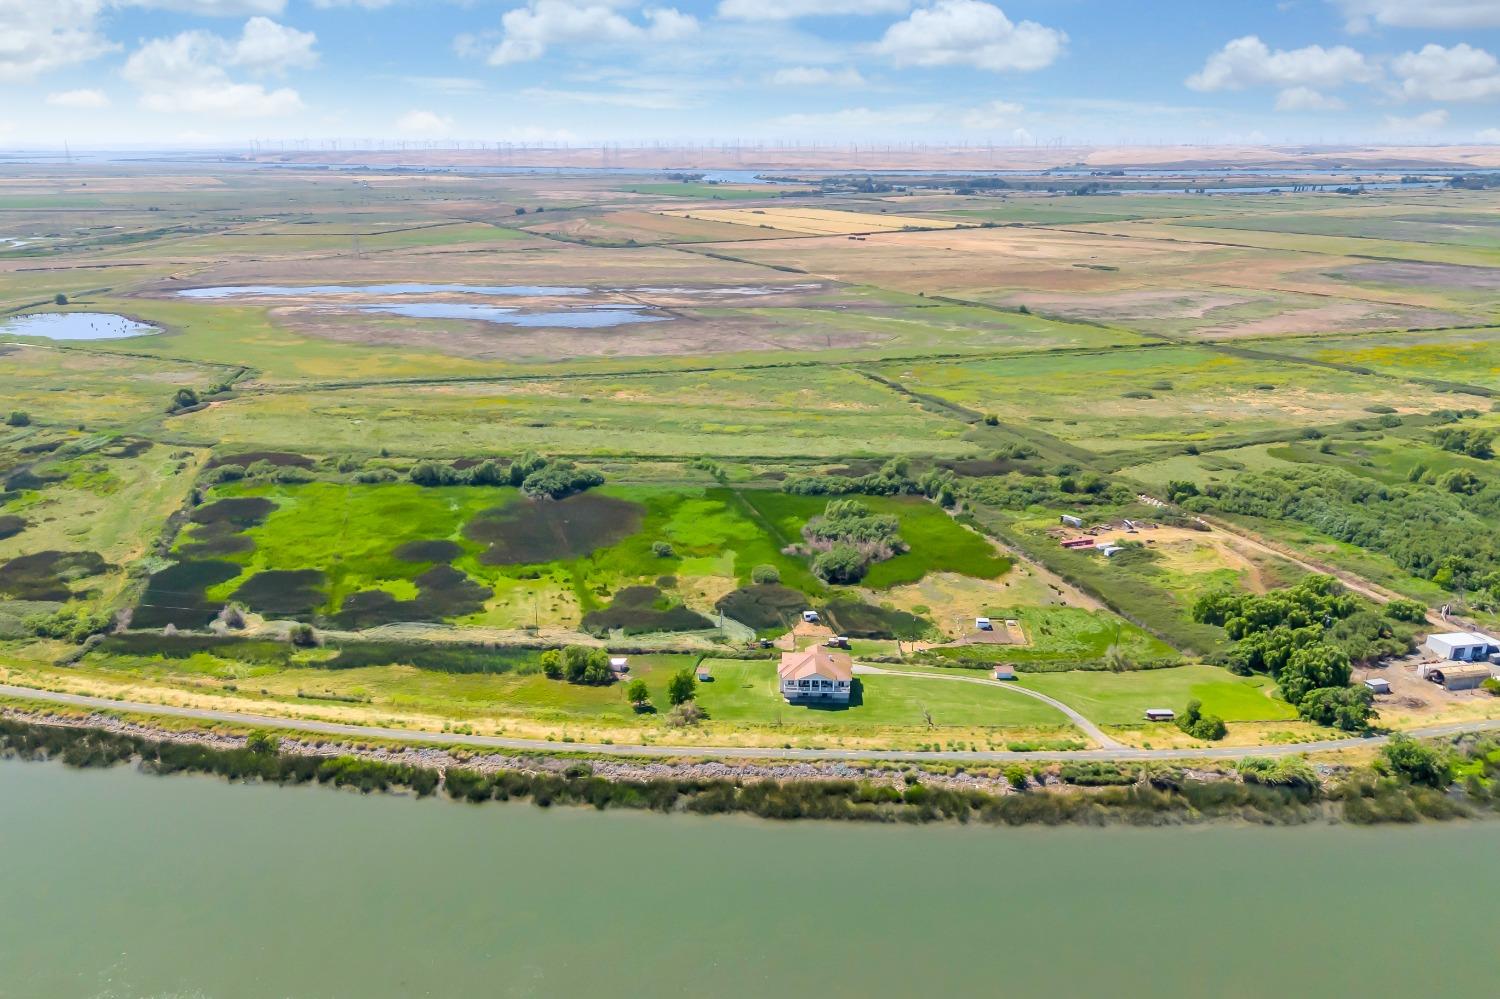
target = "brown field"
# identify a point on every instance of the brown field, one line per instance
(816, 221)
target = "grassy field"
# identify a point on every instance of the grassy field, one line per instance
(1122, 698)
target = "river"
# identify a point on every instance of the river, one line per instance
(117, 884)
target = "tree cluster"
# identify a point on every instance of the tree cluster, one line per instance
(534, 475)
(578, 664)
(1303, 636)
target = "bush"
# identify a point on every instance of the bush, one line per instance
(184, 398)
(685, 714)
(262, 743)
(1199, 725)
(1016, 777)
(765, 575)
(661, 549)
(1417, 762)
(1406, 610)
(843, 563)
(73, 624)
(18, 418)
(303, 636)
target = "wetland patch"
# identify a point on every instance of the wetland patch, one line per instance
(531, 532)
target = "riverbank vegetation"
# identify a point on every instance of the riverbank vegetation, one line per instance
(1409, 781)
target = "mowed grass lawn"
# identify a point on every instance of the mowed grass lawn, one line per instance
(1122, 698)
(745, 693)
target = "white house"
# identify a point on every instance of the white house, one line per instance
(814, 675)
(1462, 646)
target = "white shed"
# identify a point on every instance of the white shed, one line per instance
(1462, 646)
(1378, 685)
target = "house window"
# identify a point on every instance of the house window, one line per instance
(802, 684)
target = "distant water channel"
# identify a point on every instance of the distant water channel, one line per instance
(596, 318)
(121, 885)
(311, 290)
(75, 326)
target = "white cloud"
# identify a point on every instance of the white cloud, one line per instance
(424, 123)
(82, 99)
(449, 85)
(970, 33)
(212, 8)
(1460, 73)
(1307, 99)
(817, 76)
(860, 119)
(1249, 62)
(659, 100)
(1361, 14)
(189, 72)
(1488, 135)
(37, 36)
(790, 10)
(991, 117)
(529, 31)
(1427, 121)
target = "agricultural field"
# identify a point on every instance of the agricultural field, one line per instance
(366, 445)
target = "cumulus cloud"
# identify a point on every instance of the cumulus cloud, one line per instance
(189, 72)
(424, 123)
(1488, 135)
(817, 76)
(1250, 62)
(1361, 14)
(37, 37)
(791, 10)
(970, 33)
(1427, 121)
(1460, 73)
(529, 31)
(1307, 99)
(81, 99)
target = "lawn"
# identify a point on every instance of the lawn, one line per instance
(1122, 698)
(745, 693)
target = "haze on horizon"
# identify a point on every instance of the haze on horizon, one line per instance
(184, 73)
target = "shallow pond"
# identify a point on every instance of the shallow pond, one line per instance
(75, 326)
(122, 885)
(302, 291)
(597, 318)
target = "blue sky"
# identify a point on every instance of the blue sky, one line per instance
(189, 72)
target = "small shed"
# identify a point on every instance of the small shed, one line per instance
(810, 616)
(984, 624)
(619, 664)
(1378, 685)
(1071, 520)
(1078, 543)
(704, 673)
(1459, 676)
(1109, 551)
(1160, 714)
(1005, 671)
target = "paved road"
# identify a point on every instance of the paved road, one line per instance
(1090, 729)
(723, 752)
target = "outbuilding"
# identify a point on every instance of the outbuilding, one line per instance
(1005, 671)
(1462, 646)
(704, 674)
(810, 616)
(1378, 685)
(984, 624)
(1458, 676)
(619, 664)
(1160, 714)
(1071, 520)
